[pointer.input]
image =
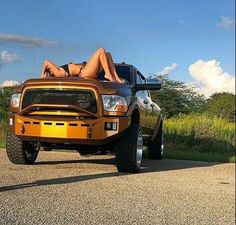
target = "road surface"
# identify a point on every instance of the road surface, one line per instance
(65, 188)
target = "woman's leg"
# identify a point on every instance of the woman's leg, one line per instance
(99, 60)
(112, 67)
(49, 67)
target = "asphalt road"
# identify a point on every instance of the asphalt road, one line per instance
(64, 188)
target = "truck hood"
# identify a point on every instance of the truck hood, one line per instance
(104, 87)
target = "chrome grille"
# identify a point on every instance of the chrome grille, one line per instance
(84, 99)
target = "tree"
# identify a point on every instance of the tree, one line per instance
(221, 105)
(177, 97)
(5, 95)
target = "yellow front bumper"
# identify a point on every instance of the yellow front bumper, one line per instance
(93, 129)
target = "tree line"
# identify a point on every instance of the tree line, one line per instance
(177, 98)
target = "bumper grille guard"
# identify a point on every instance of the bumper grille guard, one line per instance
(37, 107)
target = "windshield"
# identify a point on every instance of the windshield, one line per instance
(122, 70)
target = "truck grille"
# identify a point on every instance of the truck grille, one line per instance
(84, 99)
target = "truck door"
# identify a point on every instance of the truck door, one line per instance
(149, 111)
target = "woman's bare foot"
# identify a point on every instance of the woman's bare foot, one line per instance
(109, 77)
(122, 81)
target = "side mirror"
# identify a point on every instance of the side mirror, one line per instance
(151, 84)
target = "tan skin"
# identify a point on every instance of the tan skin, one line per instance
(98, 61)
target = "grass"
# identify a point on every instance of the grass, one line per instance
(200, 156)
(2, 141)
(200, 133)
(196, 155)
(198, 137)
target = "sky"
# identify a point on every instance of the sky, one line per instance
(191, 40)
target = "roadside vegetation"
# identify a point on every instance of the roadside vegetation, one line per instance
(5, 95)
(200, 137)
(195, 127)
(2, 141)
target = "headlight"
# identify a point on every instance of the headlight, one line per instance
(15, 101)
(114, 103)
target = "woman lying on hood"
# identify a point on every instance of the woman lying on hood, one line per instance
(98, 61)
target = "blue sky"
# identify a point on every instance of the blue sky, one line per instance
(153, 35)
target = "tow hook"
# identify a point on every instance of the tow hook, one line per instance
(22, 129)
(90, 132)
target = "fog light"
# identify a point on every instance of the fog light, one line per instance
(11, 121)
(110, 126)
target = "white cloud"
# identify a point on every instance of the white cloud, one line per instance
(226, 23)
(10, 83)
(6, 58)
(211, 78)
(169, 69)
(25, 40)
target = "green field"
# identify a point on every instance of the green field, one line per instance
(200, 133)
(198, 137)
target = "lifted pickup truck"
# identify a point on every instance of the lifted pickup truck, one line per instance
(85, 114)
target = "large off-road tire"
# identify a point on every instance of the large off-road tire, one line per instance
(156, 146)
(129, 150)
(21, 152)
